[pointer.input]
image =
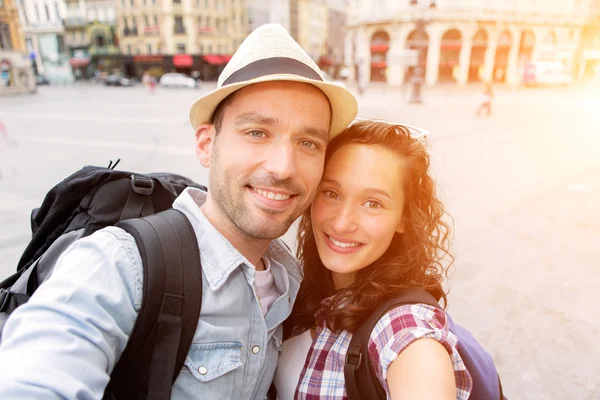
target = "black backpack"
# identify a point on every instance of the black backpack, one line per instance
(363, 384)
(94, 198)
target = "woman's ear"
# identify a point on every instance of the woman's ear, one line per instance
(204, 139)
(400, 228)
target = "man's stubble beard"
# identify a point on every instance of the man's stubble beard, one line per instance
(236, 210)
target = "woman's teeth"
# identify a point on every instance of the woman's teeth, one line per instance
(343, 244)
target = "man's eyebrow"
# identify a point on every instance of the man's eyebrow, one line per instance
(254, 118)
(335, 183)
(316, 132)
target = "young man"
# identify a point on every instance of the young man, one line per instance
(262, 133)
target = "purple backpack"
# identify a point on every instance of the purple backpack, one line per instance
(363, 384)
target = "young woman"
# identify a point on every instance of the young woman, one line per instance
(375, 228)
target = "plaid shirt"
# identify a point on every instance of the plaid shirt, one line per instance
(323, 374)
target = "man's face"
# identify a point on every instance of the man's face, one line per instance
(267, 159)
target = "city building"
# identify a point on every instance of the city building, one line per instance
(16, 74)
(195, 37)
(261, 12)
(11, 36)
(589, 51)
(44, 38)
(90, 36)
(460, 41)
(333, 61)
(309, 25)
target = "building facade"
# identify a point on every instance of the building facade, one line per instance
(589, 52)
(44, 38)
(261, 12)
(461, 41)
(16, 74)
(336, 34)
(309, 26)
(190, 36)
(90, 36)
(11, 35)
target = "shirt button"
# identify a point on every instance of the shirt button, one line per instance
(202, 371)
(256, 350)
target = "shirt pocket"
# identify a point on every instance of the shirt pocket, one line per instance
(209, 361)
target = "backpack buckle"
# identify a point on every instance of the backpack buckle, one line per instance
(354, 357)
(142, 184)
(4, 296)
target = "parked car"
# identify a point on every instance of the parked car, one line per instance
(546, 73)
(175, 79)
(41, 80)
(117, 80)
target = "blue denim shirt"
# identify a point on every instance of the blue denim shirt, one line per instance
(64, 343)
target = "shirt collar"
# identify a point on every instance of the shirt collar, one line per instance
(218, 256)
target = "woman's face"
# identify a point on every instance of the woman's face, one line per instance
(358, 208)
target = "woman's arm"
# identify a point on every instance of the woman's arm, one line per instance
(422, 371)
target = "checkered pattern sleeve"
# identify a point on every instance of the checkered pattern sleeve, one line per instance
(400, 327)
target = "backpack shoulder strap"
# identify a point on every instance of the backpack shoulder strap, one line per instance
(359, 374)
(172, 296)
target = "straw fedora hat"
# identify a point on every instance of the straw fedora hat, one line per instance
(269, 53)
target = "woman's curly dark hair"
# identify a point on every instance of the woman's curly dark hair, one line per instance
(417, 257)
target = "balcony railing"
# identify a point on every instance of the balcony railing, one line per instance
(130, 31)
(74, 22)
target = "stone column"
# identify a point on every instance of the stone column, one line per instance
(363, 55)
(38, 57)
(349, 40)
(489, 60)
(433, 58)
(464, 61)
(512, 69)
(395, 66)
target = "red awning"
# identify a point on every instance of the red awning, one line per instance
(213, 59)
(376, 48)
(379, 64)
(451, 46)
(79, 62)
(226, 58)
(148, 58)
(183, 60)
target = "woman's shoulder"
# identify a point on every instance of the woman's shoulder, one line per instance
(405, 324)
(408, 318)
(402, 326)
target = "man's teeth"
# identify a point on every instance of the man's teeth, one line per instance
(271, 195)
(343, 244)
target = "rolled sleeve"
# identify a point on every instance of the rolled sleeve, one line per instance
(66, 340)
(403, 325)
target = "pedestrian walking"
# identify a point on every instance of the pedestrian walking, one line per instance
(486, 100)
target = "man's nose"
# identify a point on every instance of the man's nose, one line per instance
(281, 162)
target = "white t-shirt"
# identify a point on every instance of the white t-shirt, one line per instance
(290, 365)
(265, 287)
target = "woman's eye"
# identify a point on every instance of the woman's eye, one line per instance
(331, 194)
(373, 204)
(257, 134)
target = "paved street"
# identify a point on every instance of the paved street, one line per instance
(523, 187)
